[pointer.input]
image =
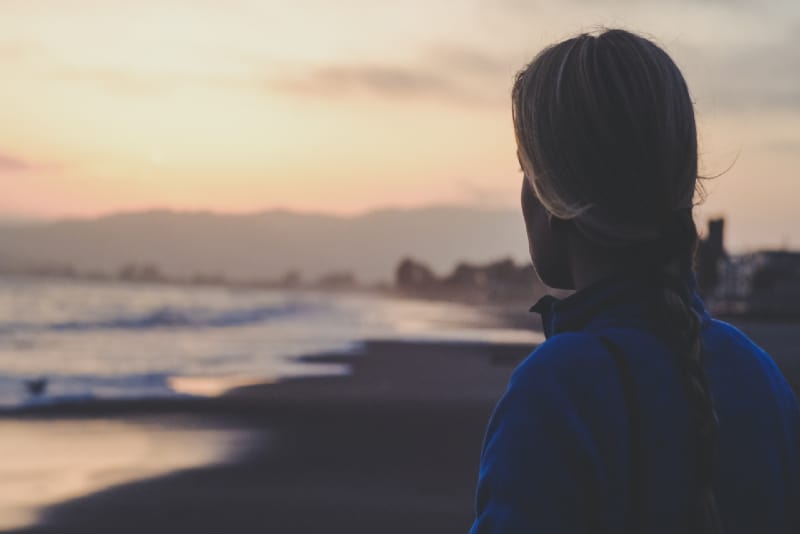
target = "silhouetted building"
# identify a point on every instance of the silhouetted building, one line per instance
(506, 281)
(763, 284)
(337, 281)
(467, 277)
(291, 280)
(500, 281)
(414, 276)
(710, 257)
(134, 272)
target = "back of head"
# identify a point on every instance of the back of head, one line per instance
(606, 134)
(606, 137)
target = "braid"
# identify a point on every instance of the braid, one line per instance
(684, 329)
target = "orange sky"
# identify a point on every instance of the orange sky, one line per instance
(351, 105)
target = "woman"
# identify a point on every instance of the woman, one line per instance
(640, 413)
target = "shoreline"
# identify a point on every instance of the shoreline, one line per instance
(392, 447)
(375, 358)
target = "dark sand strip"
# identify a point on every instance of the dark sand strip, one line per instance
(393, 448)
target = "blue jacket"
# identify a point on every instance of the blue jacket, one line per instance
(556, 455)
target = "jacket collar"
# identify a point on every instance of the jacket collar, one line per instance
(628, 298)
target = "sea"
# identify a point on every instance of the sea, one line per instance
(83, 341)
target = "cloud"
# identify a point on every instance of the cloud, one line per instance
(13, 164)
(789, 146)
(760, 77)
(467, 61)
(381, 80)
(736, 55)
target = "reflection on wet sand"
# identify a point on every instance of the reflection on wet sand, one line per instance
(43, 462)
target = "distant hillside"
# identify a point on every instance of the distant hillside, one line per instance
(271, 243)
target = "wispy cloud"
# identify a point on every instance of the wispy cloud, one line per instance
(380, 80)
(755, 77)
(736, 54)
(13, 164)
(466, 60)
(790, 146)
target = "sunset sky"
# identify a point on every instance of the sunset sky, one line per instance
(347, 106)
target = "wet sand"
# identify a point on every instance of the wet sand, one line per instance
(47, 461)
(392, 448)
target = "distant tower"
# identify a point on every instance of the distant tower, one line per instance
(709, 253)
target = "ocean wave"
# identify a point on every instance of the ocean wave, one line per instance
(82, 388)
(173, 317)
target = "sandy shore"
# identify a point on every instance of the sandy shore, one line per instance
(393, 447)
(45, 461)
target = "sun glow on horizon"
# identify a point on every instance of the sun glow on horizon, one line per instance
(342, 109)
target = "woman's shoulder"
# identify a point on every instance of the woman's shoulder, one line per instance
(728, 342)
(567, 375)
(717, 332)
(563, 360)
(728, 347)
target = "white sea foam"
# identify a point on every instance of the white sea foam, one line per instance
(105, 340)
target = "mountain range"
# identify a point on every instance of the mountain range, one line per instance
(268, 244)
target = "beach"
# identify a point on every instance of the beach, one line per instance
(392, 447)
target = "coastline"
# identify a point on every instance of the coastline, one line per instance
(392, 447)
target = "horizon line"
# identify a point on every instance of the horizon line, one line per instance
(24, 219)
